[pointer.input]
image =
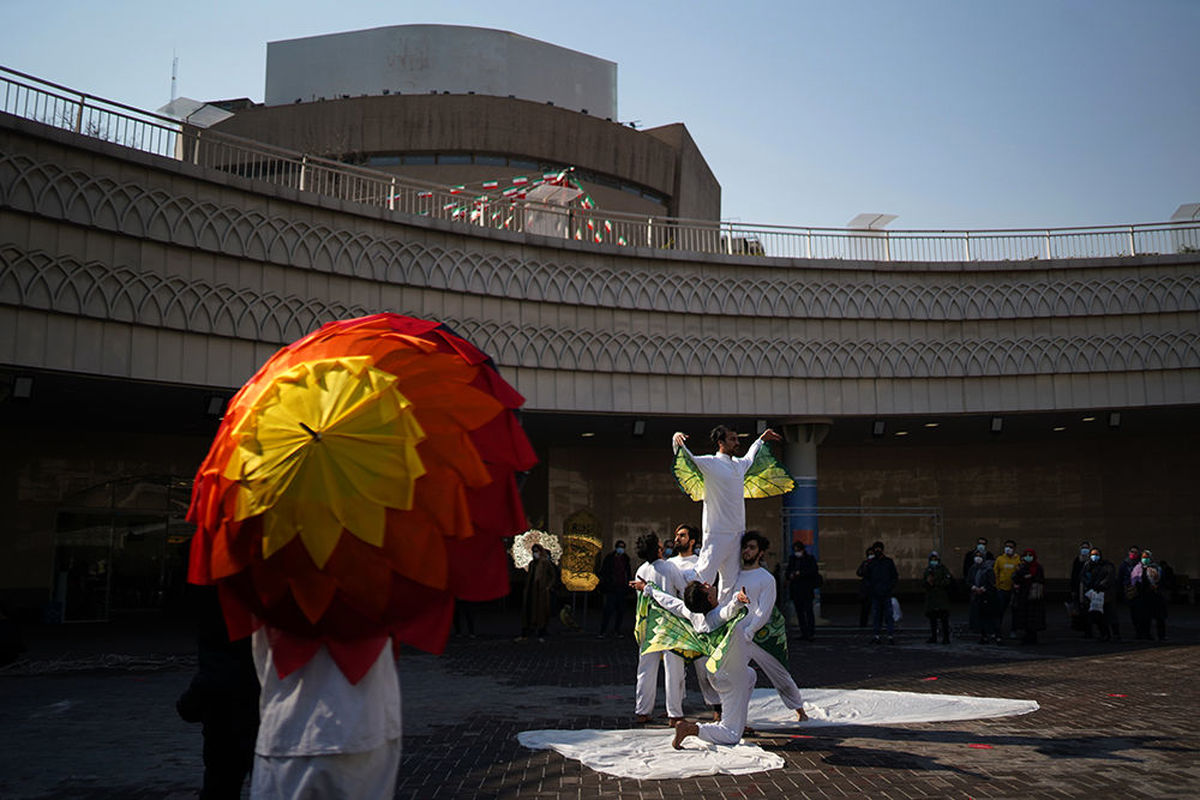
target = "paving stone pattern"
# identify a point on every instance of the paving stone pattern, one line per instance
(1116, 719)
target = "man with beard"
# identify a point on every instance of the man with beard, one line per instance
(687, 542)
(724, 519)
(759, 587)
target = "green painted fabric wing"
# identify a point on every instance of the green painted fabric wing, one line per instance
(772, 637)
(766, 476)
(689, 477)
(657, 629)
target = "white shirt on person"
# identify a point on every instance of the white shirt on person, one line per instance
(663, 574)
(724, 489)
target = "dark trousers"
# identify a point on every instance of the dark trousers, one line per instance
(864, 610)
(803, 601)
(935, 618)
(1105, 622)
(614, 609)
(229, 734)
(882, 607)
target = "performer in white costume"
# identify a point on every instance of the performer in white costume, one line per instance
(687, 540)
(724, 519)
(322, 736)
(663, 574)
(734, 680)
(759, 586)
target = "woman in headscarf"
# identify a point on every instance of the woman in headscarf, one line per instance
(1029, 597)
(1147, 599)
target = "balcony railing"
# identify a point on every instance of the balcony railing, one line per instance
(32, 98)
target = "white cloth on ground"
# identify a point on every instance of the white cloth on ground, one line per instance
(647, 754)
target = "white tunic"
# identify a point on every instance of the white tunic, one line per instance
(724, 489)
(663, 574)
(686, 566)
(760, 589)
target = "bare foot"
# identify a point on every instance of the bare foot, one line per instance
(673, 721)
(641, 719)
(684, 729)
(800, 715)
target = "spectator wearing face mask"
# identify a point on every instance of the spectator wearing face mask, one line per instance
(1005, 567)
(980, 549)
(981, 585)
(1125, 569)
(1148, 597)
(1076, 603)
(615, 574)
(864, 587)
(803, 577)
(1029, 597)
(1099, 582)
(937, 598)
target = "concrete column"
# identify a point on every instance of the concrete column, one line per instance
(801, 439)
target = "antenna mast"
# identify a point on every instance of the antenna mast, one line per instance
(174, 73)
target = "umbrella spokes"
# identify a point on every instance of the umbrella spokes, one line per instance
(314, 434)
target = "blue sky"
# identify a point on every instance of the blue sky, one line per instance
(950, 114)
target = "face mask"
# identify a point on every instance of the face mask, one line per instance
(1008, 551)
(1095, 558)
(620, 550)
(870, 555)
(933, 562)
(1146, 562)
(668, 552)
(1083, 551)
(981, 547)
(1028, 559)
(978, 559)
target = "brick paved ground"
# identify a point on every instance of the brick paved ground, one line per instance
(1116, 719)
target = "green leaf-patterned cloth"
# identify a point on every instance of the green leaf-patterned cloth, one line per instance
(765, 478)
(657, 629)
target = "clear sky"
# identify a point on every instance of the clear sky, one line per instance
(950, 114)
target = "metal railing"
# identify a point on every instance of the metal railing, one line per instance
(58, 106)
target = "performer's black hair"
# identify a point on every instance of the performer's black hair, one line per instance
(695, 597)
(647, 547)
(754, 536)
(718, 433)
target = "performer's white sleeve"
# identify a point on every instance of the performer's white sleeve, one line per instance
(745, 461)
(762, 600)
(703, 623)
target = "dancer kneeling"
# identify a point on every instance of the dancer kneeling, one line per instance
(721, 633)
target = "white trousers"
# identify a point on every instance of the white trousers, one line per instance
(721, 558)
(779, 676)
(711, 696)
(735, 689)
(336, 776)
(647, 683)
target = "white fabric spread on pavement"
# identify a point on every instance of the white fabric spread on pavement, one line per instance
(646, 754)
(877, 707)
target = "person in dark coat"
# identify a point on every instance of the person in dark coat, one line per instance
(615, 574)
(881, 578)
(980, 549)
(1029, 597)
(223, 696)
(537, 599)
(804, 578)
(1124, 570)
(1148, 597)
(981, 586)
(937, 581)
(864, 590)
(1099, 578)
(1076, 602)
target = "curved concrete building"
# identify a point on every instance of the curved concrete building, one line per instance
(461, 106)
(925, 403)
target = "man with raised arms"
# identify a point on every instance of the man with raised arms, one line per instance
(724, 518)
(734, 679)
(759, 586)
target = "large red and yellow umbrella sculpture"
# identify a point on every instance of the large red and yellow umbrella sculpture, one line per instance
(359, 483)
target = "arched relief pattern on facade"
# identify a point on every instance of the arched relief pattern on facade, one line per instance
(92, 289)
(46, 189)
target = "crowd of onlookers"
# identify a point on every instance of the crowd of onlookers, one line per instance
(1009, 590)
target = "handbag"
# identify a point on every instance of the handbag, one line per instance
(1037, 591)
